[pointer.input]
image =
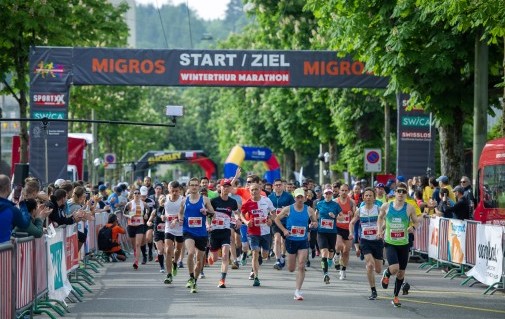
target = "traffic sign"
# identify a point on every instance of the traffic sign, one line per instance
(373, 160)
(110, 161)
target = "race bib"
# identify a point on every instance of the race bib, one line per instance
(258, 221)
(397, 234)
(327, 223)
(218, 222)
(171, 218)
(370, 231)
(278, 211)
(297, 231)
(136, 221)
(194, 222)
(160, 227)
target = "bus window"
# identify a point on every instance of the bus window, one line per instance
(493, 194)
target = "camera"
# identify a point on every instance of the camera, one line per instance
(88, 195)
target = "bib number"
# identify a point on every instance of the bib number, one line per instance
(297, 231)
(136, 221)
(194, 222)
(397, 234)
(258, 221)
(327, 223)
(160, 227)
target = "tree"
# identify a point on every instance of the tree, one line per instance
(51, 22)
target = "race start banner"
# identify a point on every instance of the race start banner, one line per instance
(54, 69)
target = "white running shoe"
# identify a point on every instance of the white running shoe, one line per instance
(162, 270)
(342, 275)
(298, 295)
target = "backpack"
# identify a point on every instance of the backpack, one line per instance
(104, 240)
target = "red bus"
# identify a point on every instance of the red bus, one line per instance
(490, 194)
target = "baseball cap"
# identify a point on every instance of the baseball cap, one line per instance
(299, 192)
(101, 188)
(400, 178)
(459, 189)
(444, 179)
(143, 191)
(58, 182)
(225, 182)
(328, 190)
(379, 185)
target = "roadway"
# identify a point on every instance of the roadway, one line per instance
(121, 292)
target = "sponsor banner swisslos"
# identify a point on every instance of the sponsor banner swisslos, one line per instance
(219, 68)
(416, 139)
(50, 78)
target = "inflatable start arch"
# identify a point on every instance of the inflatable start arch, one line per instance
(251, 153)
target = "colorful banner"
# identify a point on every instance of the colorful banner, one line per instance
(489, 265)
(416, 140)
(433, 244)
(71, 248)
(58, 284)
(456, 241)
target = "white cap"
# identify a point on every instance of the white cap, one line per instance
(58, 182)
(143, 191)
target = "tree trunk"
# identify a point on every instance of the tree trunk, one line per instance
(289, 164)
(451, 148)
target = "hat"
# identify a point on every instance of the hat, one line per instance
(225, 182)
(101, 188)
(380, 185)
(143, 191)
(400, 178)
(58, 182)
(328, 190)
(390, 182)
(459, 189)
(444, 179)
(299, 192)
(212, 187)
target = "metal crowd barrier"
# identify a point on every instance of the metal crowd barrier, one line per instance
(421, 236)
(471, 240)
(7, 283)
(25, 273)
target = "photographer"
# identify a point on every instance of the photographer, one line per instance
(445, 202)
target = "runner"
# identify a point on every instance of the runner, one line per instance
(326, 212)
(150, 206)
(295, 232)
(236, 247)
(195, 210)
(173, 230)
(136, 227)
(158, 224)
(225, 207)
(280, 199)
(394, 219)
(370, 245)
(256, 215)
(343, 218)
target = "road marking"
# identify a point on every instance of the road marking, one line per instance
(448, 305)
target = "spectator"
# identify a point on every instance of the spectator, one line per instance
(10, 215)
(460, 210)
(445, 202)
(443, 182)
(467, 186)
(115, 253)
(38, 212)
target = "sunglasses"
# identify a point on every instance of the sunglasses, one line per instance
(248, 182)
(463, 182)
(136, 193)
(401, 191)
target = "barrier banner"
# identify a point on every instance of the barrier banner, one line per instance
(488, 268)
(58, 284)
(433, 245)
(71, 248)
(456, 241)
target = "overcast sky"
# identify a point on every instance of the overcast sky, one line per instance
(206, 9)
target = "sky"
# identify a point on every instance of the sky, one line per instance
(206, 9)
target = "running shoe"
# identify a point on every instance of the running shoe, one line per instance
(277, 265)
(168, 280)
(307, 264)
(202, 275)
(156, 259)
(373, 296)
(337, 267)
(342, 275)
(396, 302)
(326, 278)
(313, 253)
(135, 266)
(251, 276)
(162, 270)
(193, 289)
(114, 257)
(317, 253)
(405, 288)
(243, 262)
(385, 279)
(221, 284)
(174, 269)
(181, 265)
(298, 295)
(150, 257)
(235, 265)
(144, 260)
(190, 282)
(283, 262)
(256, 282)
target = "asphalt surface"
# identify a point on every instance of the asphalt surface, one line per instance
(121, 292)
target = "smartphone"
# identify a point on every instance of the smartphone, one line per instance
(17, 192)
(88, 196)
